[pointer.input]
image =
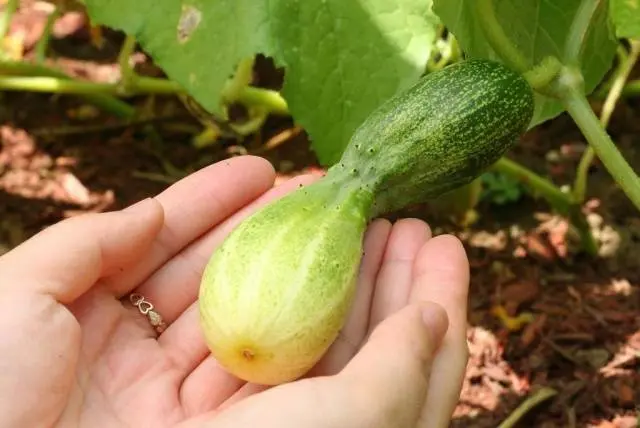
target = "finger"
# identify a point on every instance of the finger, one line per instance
(208, 387)
(355, 329)
(393, 284)
(174, 287)
(391, 372)
(194, 205)
(383, 386)
(441, 275)
(68, 258)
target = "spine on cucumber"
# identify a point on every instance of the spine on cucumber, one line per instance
(276, 293)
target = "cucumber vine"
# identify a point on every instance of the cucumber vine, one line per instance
(562, 79)
(568, 86)
(627, 62)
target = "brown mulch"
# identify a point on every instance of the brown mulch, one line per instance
(540, 314)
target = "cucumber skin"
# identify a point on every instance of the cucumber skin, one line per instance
(440, 134)
(276, 293)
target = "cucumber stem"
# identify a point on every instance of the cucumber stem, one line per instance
(540, 76)
(624, 70)
(571, 86)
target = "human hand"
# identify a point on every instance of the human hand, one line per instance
(75, 352)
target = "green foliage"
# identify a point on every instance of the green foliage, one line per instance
(626, 17)
(342, 59)
(500, 189)
(538, 28)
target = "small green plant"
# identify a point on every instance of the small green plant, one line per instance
(500, 189)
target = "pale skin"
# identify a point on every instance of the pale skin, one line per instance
(75, 353)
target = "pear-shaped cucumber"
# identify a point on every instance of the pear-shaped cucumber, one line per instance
(276, 293)
(277, 290)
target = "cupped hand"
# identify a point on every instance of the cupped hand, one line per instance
(75, 352)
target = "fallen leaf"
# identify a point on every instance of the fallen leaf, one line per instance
(537, 247)
(517, 293)
(596, 357)
(532, 330)
(76, 191)
(493, 241)
(626, 395)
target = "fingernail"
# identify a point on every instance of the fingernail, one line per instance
(436, 320)
(138, 206)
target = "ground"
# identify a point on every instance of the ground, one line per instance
(60, 157)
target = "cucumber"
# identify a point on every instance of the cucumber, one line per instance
(275, 294)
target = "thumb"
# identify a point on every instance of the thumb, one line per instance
(391, 372)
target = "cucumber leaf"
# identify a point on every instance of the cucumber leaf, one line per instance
(538, 28)
(626, 17)
(341, 58)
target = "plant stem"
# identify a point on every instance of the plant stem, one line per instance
(40, 78)
(559, 200)
(499, 41)
(142, 85)
(5, 19)
(241, 79)
(40, 51)
(621, 57)
(127, 75)
(583, 228)
(107, 103)
(540, 75)
(270, 99)
(576, 104)
(625, 68)
(578, 31)
(538, 397)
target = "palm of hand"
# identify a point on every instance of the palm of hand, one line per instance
(110, 369)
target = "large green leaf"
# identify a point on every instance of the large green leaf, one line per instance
(626, 17)
(538, 28)
(342, 58)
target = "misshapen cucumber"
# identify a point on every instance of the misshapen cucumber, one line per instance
(276, 293)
